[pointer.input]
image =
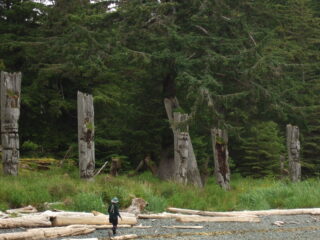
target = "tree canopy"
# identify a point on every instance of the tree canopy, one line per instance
(248, 66)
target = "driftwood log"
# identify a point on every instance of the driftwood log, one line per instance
(312, 211)
(106, 226)
(183, 227)
(293, 147)
(47, 233)
(25, 221)
(123, 237)
(123, 214)
(221, 157)
(86, 135)
(95, 220)
(52, 214)
(192, 218)
(27, 209)
(10, 113)
(163, 215)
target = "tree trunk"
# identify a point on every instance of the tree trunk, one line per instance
(86, 135)
(10, 113)
(185, 169)
(221, 157)
(293, 147)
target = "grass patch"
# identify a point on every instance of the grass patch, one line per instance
(56, 185)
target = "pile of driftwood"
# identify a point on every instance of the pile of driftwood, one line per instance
(50, 224)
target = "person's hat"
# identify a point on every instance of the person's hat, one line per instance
(115, 200)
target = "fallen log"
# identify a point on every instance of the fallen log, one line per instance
(123, 237)
(217, 219)
(183, 227)
(25, 221)
(123, 214)
(142, 227)
(88, 220)
(51, 214)
(45, 233)
(209, 213)
(27, 209)
(106, 226)
(312, 211)
(163, 215)
(3, 215)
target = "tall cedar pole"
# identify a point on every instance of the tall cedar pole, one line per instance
(221, 157)
(293, 147)
(185, 164)
(10, 113)
(86, 135)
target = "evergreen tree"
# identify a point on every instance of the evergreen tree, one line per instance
(262, 149)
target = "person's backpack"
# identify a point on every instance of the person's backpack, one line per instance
(112, 210)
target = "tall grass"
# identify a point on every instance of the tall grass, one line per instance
(36, 188)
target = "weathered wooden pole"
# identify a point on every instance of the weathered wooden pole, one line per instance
(181, 148)
(185, 164)
(293, 147)
(115, 166)
(86, 135)
(10, 113)
(221, 157)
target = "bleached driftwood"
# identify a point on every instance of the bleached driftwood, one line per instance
(123, 214)
(183, 227)
(312, 211)
(52, 214)
(209, 213)
(192, 218)
(123, 237)
(106, 226)
(25, 221)
(27, 209)
(95, 220)
(142, 227)
(46, 233)
(163, 215)
(3, 215)
(137, 206)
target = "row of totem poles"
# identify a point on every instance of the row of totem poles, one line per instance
(185, 169)
(10, 112)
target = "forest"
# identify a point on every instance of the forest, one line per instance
(247, 67)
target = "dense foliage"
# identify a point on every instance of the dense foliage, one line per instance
(257, 60)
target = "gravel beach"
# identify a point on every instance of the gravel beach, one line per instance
(294, 227)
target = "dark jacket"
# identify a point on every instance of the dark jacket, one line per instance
(113, 211)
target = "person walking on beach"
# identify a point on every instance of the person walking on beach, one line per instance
(113, 211)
